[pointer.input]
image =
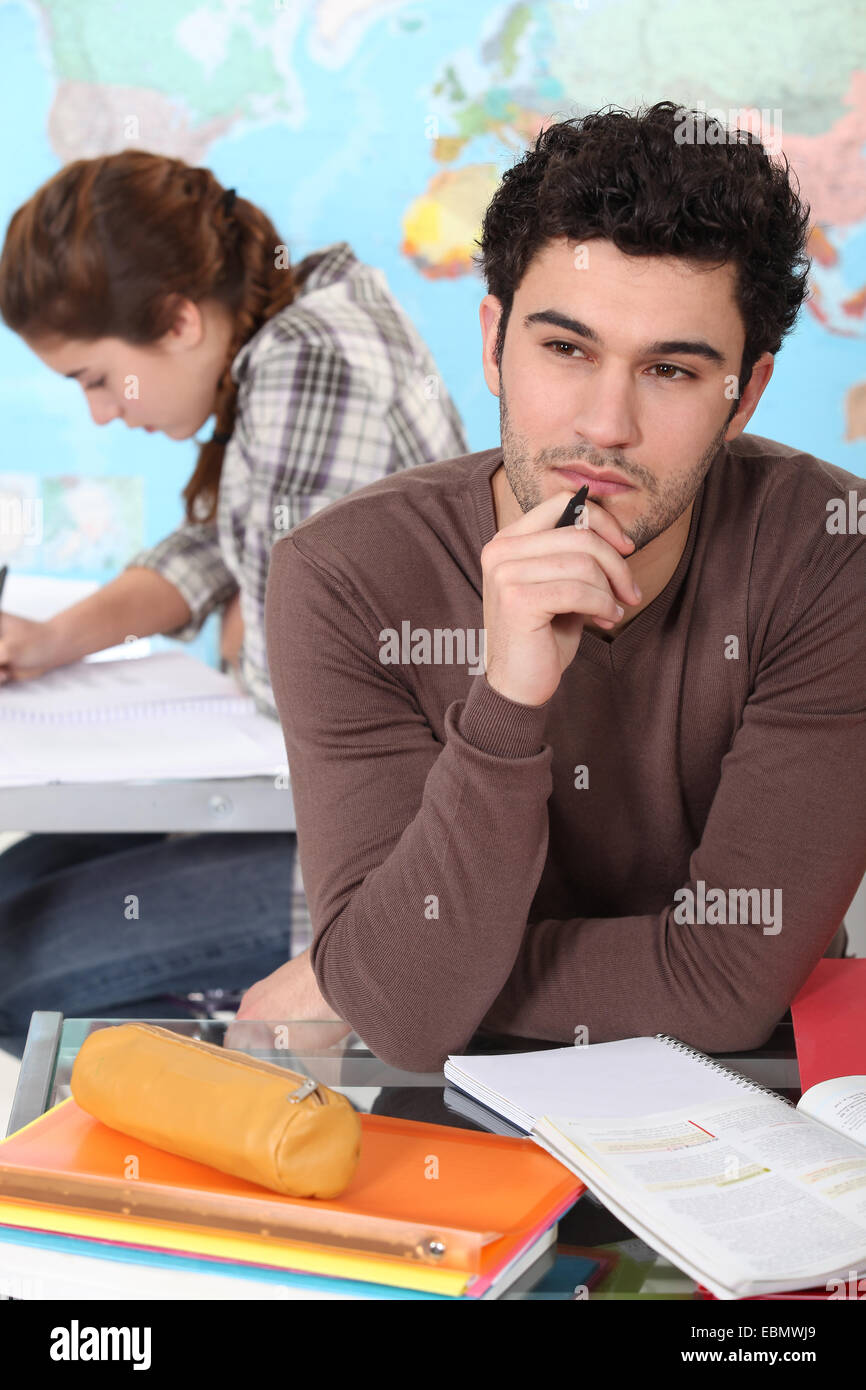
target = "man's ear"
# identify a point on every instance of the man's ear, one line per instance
(489, 313)
(761, 373)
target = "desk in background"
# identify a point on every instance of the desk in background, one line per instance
(230, 804)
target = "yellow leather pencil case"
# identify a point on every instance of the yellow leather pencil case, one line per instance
(243, 1116)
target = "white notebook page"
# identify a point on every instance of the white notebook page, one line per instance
(162, 682)
(634, 1076)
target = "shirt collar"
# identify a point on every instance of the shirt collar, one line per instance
(323, 267)
(331, 263)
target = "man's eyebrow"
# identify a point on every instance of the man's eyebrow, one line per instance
(563, 321)
(681, 347)
(80, 372)
(684, 347)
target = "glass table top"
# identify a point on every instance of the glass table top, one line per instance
(596, 1258)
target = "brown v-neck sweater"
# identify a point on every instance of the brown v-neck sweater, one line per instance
(473, 863)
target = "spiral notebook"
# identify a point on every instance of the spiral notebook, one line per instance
(744, 1191)
(166, 715)
(165, 683)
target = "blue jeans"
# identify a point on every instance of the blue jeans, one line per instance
(103, 925)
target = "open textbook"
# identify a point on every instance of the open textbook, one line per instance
(739, 1188)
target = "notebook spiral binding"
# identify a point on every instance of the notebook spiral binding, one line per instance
(745, 1081)
(231, 706)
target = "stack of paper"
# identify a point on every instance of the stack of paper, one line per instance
(430, 1212)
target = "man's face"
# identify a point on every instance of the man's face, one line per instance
(637, 378)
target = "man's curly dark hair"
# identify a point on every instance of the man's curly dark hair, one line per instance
(627, 178)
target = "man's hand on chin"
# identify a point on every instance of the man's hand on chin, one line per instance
(289, 994)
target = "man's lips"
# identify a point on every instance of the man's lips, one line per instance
(600, 484)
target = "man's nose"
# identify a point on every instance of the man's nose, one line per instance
(607, 415)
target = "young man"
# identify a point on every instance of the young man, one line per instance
(648, 814)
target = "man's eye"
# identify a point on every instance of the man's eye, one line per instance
(665, 367)
(669, 367)
(95, 385)
(571, 347)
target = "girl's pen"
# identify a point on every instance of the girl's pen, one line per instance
(574, 505)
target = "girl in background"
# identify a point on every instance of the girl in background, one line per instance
(169, 299)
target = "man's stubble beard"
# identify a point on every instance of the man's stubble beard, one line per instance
(666, 503)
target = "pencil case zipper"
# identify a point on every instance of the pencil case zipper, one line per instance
(270, 1069)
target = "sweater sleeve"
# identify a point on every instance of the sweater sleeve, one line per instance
(420, 860)
(788, 818)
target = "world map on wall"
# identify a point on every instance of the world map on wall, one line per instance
(388, 124)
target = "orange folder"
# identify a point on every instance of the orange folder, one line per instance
(829, 1015)
(492, 1195)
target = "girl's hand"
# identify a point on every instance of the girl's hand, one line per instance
(27, 648)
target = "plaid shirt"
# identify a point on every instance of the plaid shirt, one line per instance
(335, 391)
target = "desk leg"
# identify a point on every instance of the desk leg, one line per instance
(37, 1069)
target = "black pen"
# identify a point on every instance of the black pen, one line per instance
(574, 505)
